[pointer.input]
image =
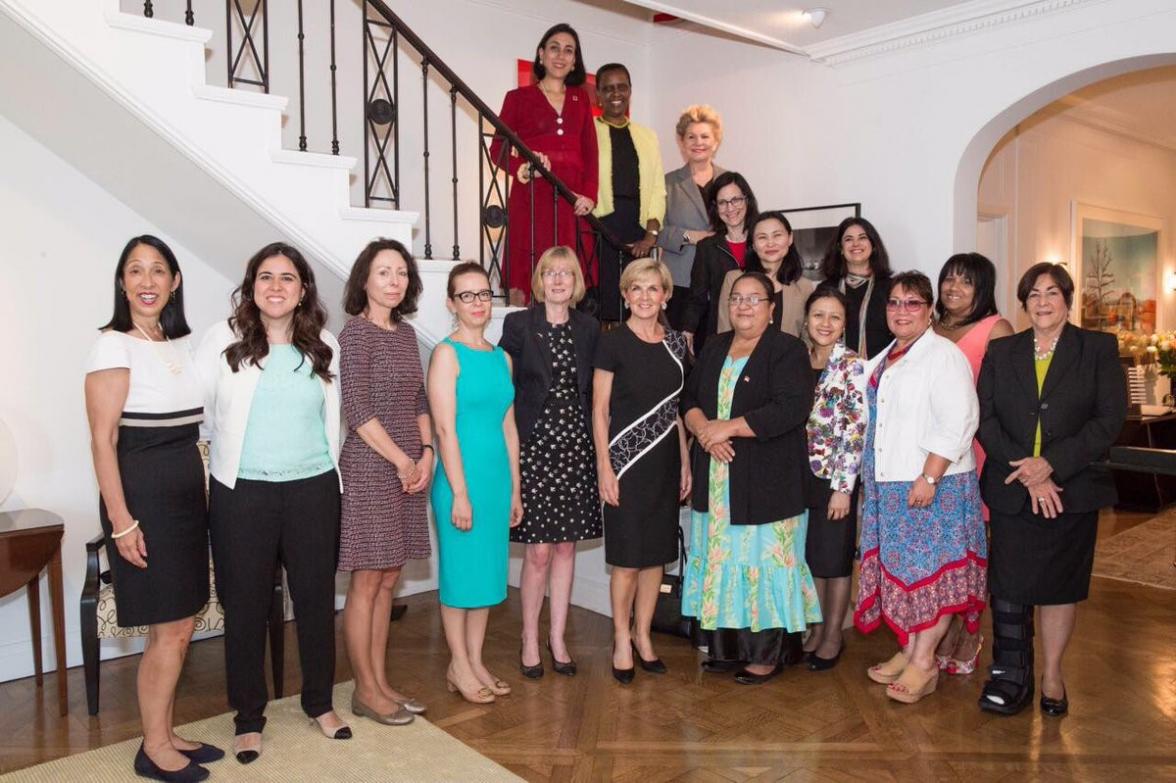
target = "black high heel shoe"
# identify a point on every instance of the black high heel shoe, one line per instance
(653, 667)
(531, 672)
(146, 768)
(818, 664)
(566, 668)
(1055, 708)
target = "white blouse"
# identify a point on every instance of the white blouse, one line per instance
(163, 374)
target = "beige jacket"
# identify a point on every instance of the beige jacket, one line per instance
(795, 295)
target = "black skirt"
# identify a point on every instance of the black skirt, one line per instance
(163, 482)
(1038, 561)
(830, 544)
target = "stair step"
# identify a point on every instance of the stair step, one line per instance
(240, 97)
(141, 24)
(379, 215)
(316, 159)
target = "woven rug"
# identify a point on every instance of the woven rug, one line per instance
(1143, 554)
(296, 751)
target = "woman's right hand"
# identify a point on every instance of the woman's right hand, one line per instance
(838, 506)
(525, 171)
(610, 486)
(462, 515)
(406, 471)
(132, 546)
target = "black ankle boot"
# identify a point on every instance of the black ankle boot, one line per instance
(1009, 688)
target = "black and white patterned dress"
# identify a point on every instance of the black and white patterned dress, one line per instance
(561, 501)
(643, 446)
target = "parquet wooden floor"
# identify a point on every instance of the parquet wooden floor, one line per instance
(690, 726)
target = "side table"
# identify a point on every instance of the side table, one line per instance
(30, 541)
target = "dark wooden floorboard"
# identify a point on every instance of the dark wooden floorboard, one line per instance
(689, 726)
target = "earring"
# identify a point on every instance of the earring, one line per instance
(663, 305)
(625, 304)
(172, 298)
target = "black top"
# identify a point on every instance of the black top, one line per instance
(774, 394)
(626, 174)
(878, 334)
(778, 310)
(1082, 407)
(525, 336)
(712, 261)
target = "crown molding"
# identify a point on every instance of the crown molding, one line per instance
(933, 27)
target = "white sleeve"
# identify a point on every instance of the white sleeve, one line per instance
(110, 352)
(955, 411)
(207, 362)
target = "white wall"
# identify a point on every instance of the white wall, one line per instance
(1050, 161)
(63, 235)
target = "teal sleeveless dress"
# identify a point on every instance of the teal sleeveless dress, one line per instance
(473, 563)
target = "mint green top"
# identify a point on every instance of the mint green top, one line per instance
(286, 438)
(1042, 367)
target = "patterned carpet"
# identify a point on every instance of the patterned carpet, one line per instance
(1143, 555)
(295, 751)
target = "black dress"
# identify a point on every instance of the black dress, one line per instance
(561, 501)
(643, 446)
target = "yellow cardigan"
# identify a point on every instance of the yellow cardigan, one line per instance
(652, 177)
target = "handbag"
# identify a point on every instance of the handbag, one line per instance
(667, 614)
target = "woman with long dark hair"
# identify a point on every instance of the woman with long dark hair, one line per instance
(775, 255)
(270, 374)
(554, 119)
(732, 209)
(144, 406)
(386, 464)
(856, 262)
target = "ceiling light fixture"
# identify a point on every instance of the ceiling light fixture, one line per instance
(816, 16)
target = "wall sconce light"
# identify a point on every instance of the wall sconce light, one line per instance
(816, 16)
(1170, 282)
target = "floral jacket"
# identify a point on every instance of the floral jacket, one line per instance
(837, 425)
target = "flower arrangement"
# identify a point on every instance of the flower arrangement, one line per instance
(1162, 346)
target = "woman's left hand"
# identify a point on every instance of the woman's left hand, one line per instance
(583, 205)
(838, 506)
(685, 481)
(424, 474)
(1030, 471)
(516, 509)
(712, 432)
(922, 494)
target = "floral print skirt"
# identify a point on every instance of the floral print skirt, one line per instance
(745, 576)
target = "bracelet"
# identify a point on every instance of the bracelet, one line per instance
(130, 529)
(428, 446)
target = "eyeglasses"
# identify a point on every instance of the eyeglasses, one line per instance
(906, 305)
(556, 274)
(751, 301)
(467, 297)
(731, 203)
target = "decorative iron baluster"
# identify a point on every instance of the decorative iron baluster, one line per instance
(189, 17)
(260, 60)
(381, 114)
(148, 9)
(301, 83)
(453, 127)
(425, 112)
(493, 225)
(334, 90)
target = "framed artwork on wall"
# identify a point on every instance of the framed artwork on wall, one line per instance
(813, 228)
(1115, 261)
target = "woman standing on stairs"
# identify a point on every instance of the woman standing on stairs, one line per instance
(387, 462)
(272, 400)
(144, 406)
(476, 496)
(554, 119)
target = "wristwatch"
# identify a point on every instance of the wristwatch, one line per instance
(931, 480)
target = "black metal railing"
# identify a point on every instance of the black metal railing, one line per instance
(386, 41)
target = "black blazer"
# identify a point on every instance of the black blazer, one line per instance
(524, 337)
(775, 394)
(712, 262)
(1082, 407)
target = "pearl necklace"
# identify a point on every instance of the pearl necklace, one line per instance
(173, 364)
(1038, 354)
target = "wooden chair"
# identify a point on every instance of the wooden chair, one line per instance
(99, 617)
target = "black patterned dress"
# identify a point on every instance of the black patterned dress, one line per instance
(561, 501)
(643, 446)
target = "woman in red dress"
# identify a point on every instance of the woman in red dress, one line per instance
(554, 119)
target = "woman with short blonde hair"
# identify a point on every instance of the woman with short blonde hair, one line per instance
(551, 345)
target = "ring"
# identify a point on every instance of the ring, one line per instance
(1040, 499)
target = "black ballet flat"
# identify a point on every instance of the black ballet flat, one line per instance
(205, 754)
(744, 677)
(566, 668)
(653, 667)
(624, 676)
(530, 672)
(718, 666)
(1055, 708)
(818, 664)
(146, 768)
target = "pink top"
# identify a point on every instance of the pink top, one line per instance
(974, 345)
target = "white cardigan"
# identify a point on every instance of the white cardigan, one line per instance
(228, 397)
(926, 404)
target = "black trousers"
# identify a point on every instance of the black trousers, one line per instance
(253, 526)
(624, 222)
